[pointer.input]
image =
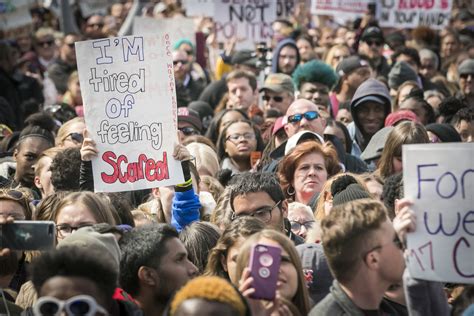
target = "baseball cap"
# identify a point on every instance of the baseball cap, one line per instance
(300, 136)
(190, 116)
(349, 64)
(466, 67)
(376, 144)
(372, 32)
(278, 83)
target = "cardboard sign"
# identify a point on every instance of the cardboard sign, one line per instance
(343, 10)
(199, 7)
(128, 89)
(410, 14)
(15, 17)
(177, 28)
(439, 178)
(250, 21)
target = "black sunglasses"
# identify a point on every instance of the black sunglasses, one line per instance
(188, 131)
(377, 43)
(183, 62)
(46, 43)
(275, 98)
(76, 137)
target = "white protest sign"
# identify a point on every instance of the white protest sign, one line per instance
(439, 178)
(90, 7)
(199, 7)
(15, 17)
(128, 89)
(410, 14)
(249, 20)
(343, 10)
(177, 28)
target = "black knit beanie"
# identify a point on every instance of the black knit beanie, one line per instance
(346, 189)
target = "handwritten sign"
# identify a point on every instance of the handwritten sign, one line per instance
(129, 94)
(249, 20)
(410, 14)
(15, 18)
(343, 10)
(199, 7)
(439, 178)
(177, 28)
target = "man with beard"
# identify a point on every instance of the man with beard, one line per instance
(154, 266)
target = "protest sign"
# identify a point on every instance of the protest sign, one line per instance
(128, 89)
(248, 20)
(439, 178)
(343, 10)
(177, 28)
(15, 18)
(410, 14)
(199, 7)
(90, 7)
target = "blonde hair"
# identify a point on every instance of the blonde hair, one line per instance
(63, 131)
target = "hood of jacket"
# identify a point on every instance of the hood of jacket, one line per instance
(277, 51)
(371, 87)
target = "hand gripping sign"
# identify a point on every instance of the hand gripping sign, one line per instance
(439, 178)
(128, 89)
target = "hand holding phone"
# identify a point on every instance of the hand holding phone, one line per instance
(264, 269)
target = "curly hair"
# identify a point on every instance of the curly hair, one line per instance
(315, 71)
(287, 166)
(65, 170)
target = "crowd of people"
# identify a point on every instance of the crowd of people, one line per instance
(307, 161)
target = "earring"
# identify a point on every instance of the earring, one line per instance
(288, 191)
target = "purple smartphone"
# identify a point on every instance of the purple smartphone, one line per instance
(264, 268)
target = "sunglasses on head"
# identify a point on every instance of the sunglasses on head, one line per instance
(275, 98)
(310, 115)
(80, 305)
(188, 131)
(182, 62)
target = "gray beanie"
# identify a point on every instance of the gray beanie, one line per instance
(400, 73)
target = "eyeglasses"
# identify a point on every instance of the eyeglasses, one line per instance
(245, 136)
(80, 305)
(182, 62)
(21, 197)
(296, 226)
(65, 230)
(275, 98)
(46, 43)
(188, 131)
(376, 43)
(310, 115)
(264, 214)
(75, 137)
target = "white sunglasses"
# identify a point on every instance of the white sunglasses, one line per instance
(80, 305)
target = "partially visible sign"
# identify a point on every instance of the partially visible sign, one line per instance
(15, 17)
(439, 178)
(341, 9)
(177, 28)
(410, 14)
(199, 7)
(248, 20)
(128, 88)
(90, 7)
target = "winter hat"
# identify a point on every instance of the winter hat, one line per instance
(88, 238)
(204, 110)
(466, 67)
(316, 270)
(345, 189)
(402, 115)
(445, 132)
(190, 116)
(376, 144)
(400, 73)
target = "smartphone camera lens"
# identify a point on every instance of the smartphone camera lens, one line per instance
(266, 260)
(264, 272)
